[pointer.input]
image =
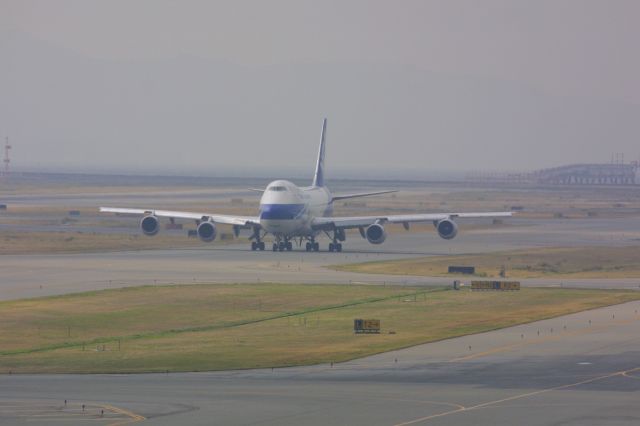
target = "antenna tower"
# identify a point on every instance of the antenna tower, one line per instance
(7, 147)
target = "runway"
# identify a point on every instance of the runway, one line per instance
(581, 369)
(44, 275)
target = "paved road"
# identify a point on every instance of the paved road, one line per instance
(581, 369)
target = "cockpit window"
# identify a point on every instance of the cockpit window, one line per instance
(278, 188)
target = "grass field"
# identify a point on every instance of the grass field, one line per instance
(214, 327)
(17, 242)
(574, 262)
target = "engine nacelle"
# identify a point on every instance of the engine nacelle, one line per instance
(447, 229)
(150, 225)
(375, 234)
(207, 231)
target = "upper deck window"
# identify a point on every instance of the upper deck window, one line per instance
(277, 188)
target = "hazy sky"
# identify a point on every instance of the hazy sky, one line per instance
(204, 87)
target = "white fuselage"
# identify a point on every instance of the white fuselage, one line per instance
(288, 210)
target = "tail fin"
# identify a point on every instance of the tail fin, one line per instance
(318, 178)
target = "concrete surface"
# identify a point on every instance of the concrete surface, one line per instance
(40, 275)
(581, 369)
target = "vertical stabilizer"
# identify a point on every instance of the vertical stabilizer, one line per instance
(318, 178)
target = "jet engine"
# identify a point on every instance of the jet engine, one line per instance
(207, 231)
(447, 228)
(375, 234)
(150, 225)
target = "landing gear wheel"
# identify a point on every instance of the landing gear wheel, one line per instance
(331, 247)
(275, 247)
(281, 246)
(289, 246)
(261, 246)
(338, 247)
(316, 246)
(254, 246)
(309, 247)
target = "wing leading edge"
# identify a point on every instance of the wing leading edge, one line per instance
(363, 221)
(217, 218)
(361, 194)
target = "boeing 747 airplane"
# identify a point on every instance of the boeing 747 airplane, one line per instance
(291, 213)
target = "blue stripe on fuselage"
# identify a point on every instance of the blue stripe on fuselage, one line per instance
(281, 211)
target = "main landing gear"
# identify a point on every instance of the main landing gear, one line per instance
(283, 245)
(335, 245)
(258, 244)
(312, 246)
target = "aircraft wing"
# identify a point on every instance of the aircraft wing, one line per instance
(330, 223)
(217, 218)
(361, 194)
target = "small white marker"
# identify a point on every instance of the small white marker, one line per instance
(584, 363)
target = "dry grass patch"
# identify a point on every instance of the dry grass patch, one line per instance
(215, 327)
(572, 262)
(16, 242)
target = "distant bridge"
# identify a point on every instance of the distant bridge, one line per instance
(573, 174)
(588, 174)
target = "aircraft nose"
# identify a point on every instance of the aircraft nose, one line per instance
(280, 211)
